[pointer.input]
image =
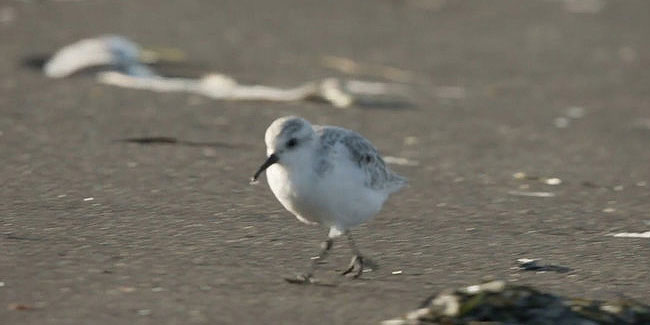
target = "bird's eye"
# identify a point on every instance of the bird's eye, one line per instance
(292, 143)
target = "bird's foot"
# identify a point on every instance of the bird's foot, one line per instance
(304, 278)
(355, 268)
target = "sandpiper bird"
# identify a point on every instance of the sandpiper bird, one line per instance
(326, 175)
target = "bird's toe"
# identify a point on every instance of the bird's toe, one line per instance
(355, 268)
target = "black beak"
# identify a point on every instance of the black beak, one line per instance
(272, 159)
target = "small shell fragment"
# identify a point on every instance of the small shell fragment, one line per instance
(553, 181)
(561, 122)
(519, 175)
(575, 112)
(400, 161)
(144, 312)
(633, 234)
(532, 194)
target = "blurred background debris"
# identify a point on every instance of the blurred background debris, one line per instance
(112, 51)
(128, 66)
(349, 66)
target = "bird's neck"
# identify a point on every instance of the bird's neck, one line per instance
(301, 163)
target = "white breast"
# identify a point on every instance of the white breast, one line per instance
(339, 198)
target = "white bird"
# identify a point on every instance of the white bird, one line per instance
(326, 175)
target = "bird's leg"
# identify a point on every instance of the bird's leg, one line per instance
(357, 259)
(324, 251)
(308, 276)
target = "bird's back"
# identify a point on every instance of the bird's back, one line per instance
(337, 144)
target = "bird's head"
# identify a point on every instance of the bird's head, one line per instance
(287, 139)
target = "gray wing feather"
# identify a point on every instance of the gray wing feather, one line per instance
(362, 153)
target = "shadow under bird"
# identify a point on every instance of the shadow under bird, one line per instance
(326, 175)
